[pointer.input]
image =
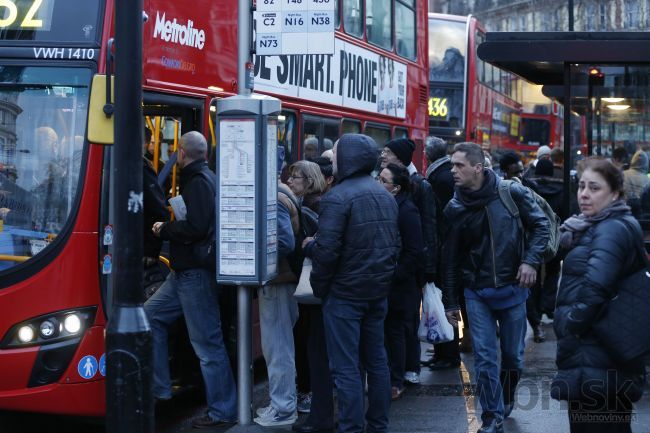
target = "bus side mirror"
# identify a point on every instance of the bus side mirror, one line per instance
(100, 123)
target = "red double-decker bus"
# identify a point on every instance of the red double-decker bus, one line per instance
(470, 100)
(55, 232)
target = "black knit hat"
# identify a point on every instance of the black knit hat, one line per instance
(402, 148)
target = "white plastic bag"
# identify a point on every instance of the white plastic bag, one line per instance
(434, 327)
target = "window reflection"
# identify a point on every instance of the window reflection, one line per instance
(405, 30)
(42, 126)
(447, 51)
(379, 23)
(352, 17)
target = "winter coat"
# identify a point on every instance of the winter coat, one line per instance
(601, 258)
(405, 291)
(636, 178)
(355, 250)
(552, 190)
(425, 201)
(199, 198)
(155, 209)
(483, 248)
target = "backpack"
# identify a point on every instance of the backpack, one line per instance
(553, 243)
(308, 226)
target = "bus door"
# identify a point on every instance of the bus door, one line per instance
(318, 135)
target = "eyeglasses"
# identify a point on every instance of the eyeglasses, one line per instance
(297, 177)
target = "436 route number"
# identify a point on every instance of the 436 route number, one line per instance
(438, 107)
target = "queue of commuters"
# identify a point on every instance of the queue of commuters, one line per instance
(374, 244)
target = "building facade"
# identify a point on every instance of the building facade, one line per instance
(551, 15)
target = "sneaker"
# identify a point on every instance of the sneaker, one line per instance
(412, 377)
(304, 402)
(206, 421)
(262, 411)
(273, 418)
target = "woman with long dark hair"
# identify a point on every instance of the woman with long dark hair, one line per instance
(602, 244)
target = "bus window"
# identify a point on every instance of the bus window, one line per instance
(286, 136)
(535, 132)
(480, 64)
(330, 135)
(310, 134)
(447, 50)
(378, 133)
(405, 28)
(43, 124)
(337, 17)
(352, 17)
(401, 133)
(350, 126)
(379, 23)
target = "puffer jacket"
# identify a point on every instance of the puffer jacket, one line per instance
(354, 253)
(601, 257)
(484, 244)
(425, 201)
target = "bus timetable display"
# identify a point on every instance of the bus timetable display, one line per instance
(50, 20)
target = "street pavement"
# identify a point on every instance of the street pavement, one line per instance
(444, 402)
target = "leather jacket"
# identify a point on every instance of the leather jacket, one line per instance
(484, 247)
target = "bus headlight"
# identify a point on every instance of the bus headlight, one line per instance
(72, 324)
(49, 328)
(26, 334)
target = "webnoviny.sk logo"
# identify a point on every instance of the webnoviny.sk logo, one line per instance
(173, 31)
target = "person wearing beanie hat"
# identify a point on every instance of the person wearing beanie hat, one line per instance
(636, 177)
(399, 148)
(399, 151)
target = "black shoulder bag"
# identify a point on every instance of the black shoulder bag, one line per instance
(623, 326)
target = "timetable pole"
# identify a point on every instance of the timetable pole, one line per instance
(129, 400)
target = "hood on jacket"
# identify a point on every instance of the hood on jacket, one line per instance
(548, 186)
(355, 153)
(640, 161)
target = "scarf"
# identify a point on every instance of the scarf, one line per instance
(437, 163)
(483, 195)
(574, 227)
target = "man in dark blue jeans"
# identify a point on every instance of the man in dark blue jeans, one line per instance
(191, 289)
(353, 260)
(486, 255)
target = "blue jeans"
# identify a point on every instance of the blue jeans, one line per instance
(193, 293)
(354, 332)
(512, 332)
(278, 314)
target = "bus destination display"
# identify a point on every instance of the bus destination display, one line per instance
(26, 14)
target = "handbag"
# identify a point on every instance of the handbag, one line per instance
(623, 325)
(304, 293)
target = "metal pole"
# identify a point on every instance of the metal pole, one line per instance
(568, 161)
(570, 15)
(129, 401)
(244, 356)
(243, 47)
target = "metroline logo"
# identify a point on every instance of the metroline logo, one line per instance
(172, 31)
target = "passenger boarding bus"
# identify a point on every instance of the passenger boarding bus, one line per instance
(55, 232)
(469, 100)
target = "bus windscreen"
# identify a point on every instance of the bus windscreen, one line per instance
(447, 50)
(50, 20)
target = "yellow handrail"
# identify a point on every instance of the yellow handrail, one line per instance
(9, 258)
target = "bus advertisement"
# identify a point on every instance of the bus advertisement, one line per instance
(55, 230)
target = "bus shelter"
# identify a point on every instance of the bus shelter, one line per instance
(602, 79)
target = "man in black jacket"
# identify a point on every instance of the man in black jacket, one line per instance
(484, 254)
(353, 257)
(446, 355)
(191, 289)
(399, 151)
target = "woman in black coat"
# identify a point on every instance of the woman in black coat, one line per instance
(602, 250)
(404, 295)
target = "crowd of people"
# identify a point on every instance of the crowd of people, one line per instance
(376, 231)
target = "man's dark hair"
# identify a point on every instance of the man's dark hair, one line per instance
(325, 166)
(472, 151)
(400, 176)
(544, 167)
(557, 155)
(435, 148)
(507, 159)
(147, 135)
(619, 154)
